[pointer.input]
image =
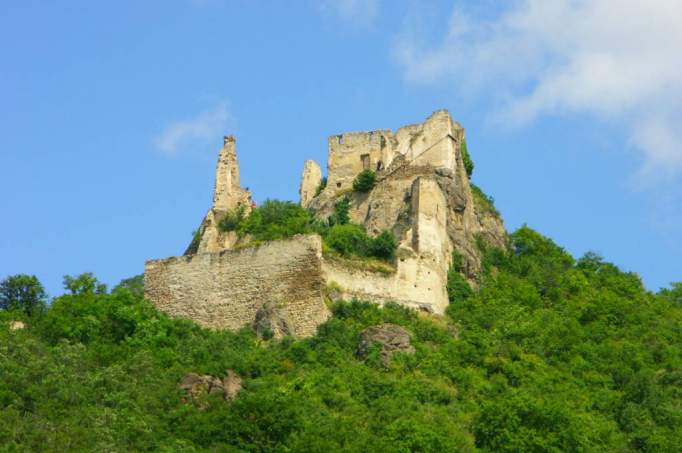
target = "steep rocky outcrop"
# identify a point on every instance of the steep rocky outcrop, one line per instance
(198, 386)
(272, 321)
(391, 338)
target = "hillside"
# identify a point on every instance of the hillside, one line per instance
(550, 353)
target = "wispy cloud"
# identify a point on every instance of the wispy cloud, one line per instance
(361, 13)
(205, 127)
(619, 61)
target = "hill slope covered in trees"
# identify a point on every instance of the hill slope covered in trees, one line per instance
(550, 354)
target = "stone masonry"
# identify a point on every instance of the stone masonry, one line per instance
(422, 195)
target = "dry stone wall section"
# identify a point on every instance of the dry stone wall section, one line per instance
(226, 289)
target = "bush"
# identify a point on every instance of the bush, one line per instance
(341, 210)
(466, 159)
(276, 220)
(384, 245)
(457, 287)
(232, 220)
(348, 239)
(22, 292)
(364, 181)
(352, 240)
(484, 204)
(321, 186)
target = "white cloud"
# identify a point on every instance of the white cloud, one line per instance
(617, 60)
(208, 126)
(357, 12)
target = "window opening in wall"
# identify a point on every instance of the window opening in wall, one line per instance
(380, 166)
(365, 161)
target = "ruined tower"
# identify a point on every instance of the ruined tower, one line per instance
(422, 195)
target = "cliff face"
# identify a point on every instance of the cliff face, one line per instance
(422, 192)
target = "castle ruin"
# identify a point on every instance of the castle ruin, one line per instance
(422, 194)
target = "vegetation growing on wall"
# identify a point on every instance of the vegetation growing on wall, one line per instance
(551, 354)
(457, 286)
(466, 159)
(276, 219)
(321, 186)
(364, 181)
(485, 204)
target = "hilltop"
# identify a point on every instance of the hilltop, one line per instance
(246, 343)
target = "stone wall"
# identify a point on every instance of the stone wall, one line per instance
(226, 289)
(415, 284)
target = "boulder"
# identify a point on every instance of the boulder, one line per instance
(197, 386)
(391, 337)
(16, 325)
(272, 321)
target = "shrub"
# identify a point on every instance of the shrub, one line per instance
(232, 220)
(321, 186)
(348, 239)
(484, 203)
(364, 181)
(466, 159)
(457, 287)
(384, 245)
(276, 220)
(351, 239)
(341, 210)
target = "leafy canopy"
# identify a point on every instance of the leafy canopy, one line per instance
(23, 293)
(549, 354)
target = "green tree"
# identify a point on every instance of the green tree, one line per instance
(85, 283)
(22, 292)
(133, 284)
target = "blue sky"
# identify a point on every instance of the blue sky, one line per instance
(112, 113)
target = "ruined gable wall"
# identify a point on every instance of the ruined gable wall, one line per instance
(224, 290)
(345, 156)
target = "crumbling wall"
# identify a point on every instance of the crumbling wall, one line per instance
(226, 289)
(416, 284)
(312, 177)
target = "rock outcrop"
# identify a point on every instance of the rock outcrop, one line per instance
(310, 181)
(272, 321)
(391, 338)
(197, 386)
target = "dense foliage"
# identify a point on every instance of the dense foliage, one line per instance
(550, 354)
(466, 159)
(364, 181)
(23, 293)
(283, 219)
(485, 204)
(321, 186)
(350, 239)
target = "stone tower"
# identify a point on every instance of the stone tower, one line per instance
(228, 195)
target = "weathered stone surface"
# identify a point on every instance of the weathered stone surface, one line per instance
(422, 194)
(196, 386)
(16, 325)
(310, 181)
(226, 289)
(272, 321)
(391, 337)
